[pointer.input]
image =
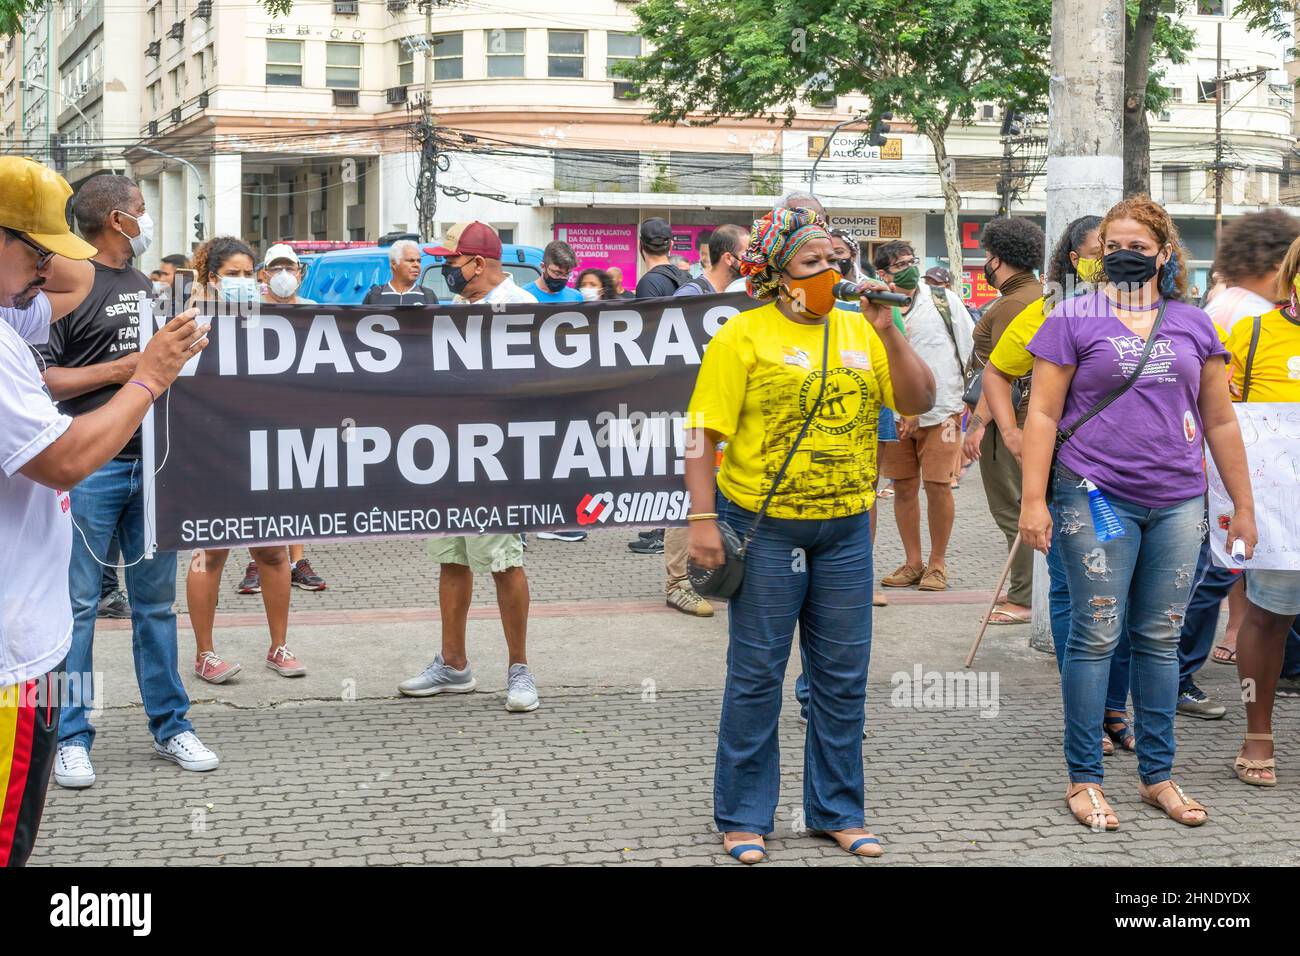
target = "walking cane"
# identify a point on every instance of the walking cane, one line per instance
(1006, 569)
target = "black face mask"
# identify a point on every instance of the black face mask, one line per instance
(455, 277)
(1129, 267)
(990, 275)
(845, 266)
(554, 285)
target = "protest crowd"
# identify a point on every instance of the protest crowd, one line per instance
(1087, 395)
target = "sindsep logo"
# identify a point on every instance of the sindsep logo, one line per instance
(633, 507)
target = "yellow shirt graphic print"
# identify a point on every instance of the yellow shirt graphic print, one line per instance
(760, 378)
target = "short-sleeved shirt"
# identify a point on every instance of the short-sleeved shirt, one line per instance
(1011, 355)
(567, 294)
(1275, 370)
(1234, 304)
(759, 379)
(35, 524)
(105, 327)
(1145, 447)
(32, 323)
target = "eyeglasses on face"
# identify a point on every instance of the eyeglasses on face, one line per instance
(43, 256)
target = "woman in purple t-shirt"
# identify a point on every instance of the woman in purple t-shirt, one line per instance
(1143, 452)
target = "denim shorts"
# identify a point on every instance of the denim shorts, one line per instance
(887, 428)
(1275, 591)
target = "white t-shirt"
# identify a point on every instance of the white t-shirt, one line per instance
(928, 335)
(35, 524)
(508, 291)
(1236, 303)
(32, 323)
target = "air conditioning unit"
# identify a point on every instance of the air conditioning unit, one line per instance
(204, 99)
(153, 127)
(395, 95)
(177, 32)
(347, 98)
(346, 8)
(397, 6)
(176, 115)
(204, 10)
(154, 49)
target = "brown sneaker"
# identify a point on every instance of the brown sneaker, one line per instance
(904, 576)
(934, 579)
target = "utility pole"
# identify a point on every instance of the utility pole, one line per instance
(1085, 153)
(1220, 168)
(426, 188)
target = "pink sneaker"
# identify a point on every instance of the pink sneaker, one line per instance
(282, 661)
(213, 669)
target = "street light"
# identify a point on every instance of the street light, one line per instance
(812, 177)
(24, 84)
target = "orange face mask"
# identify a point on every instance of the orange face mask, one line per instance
(814, 294)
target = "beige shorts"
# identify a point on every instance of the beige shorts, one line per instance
(932, 453)
(480, 552)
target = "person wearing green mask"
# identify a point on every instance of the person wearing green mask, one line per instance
(928, 450)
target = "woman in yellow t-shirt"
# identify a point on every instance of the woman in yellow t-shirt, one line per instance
(809, 562)
(1272, 374)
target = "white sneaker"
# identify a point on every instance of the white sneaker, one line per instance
(521, 695)
(188, 751)
(72, 767)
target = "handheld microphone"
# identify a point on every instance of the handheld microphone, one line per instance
(849, 291)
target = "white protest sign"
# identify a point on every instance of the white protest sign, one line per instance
(1271, 433)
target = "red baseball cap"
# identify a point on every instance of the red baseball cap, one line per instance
(470, 239)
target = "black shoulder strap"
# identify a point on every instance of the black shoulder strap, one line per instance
(1062, 436)
(1250, 356)
(776, 482)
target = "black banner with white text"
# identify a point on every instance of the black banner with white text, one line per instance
(312, 423)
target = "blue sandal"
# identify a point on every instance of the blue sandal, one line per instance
(868, 840)
(738, 850)
(1117, 729)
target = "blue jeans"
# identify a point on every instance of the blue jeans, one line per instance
(818, 575)
(1211, 587)
(108, 574)
(1144, 579)
(112, 500)
(1058, 602)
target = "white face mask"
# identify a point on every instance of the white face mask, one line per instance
(158, 289)
(139, 244)
(589, 293)
(283, 285)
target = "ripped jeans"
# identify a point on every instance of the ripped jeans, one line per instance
(1145, 576)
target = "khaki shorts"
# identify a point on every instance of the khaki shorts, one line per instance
(925, 453)
(480, 552)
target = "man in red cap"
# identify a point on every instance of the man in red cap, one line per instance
(472, 268)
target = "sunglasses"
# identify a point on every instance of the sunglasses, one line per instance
(43, 256)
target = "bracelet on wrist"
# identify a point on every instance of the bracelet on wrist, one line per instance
(702, 516)
(136, 381)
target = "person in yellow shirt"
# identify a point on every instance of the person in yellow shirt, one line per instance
(796, 366)
(1264, 359)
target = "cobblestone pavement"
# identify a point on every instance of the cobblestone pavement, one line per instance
(397, 572)
(606, 777)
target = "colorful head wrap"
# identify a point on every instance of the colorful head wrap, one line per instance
(773, 243)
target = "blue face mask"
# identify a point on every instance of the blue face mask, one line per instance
(238, 289)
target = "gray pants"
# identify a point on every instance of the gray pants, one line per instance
(1000, 473)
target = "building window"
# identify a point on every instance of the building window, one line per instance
(1176, 184)
(1209, 8)
(621, 48)
(154, 91)
(178, 83)
(405, 64)
(343, 66)
(448, 61)
(505, 53)
(567, 54)
(284, 63)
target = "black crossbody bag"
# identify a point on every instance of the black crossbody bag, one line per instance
(1064, 435)
(725, 580)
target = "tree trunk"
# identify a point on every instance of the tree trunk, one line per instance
(1139, 36)
(951, 204)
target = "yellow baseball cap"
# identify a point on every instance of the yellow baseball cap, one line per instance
(37, 201)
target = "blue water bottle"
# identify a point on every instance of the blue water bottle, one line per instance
(1104, 520)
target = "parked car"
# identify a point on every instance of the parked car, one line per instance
(345, 276)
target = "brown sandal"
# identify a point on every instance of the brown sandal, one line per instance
(1092, 815)
(1242, 764)
(1185, 803)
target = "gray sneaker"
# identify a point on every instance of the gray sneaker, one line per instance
(1194, 702)
(438, 678)
(521, 690)
(1288, 686)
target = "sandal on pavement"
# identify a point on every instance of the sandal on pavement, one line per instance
(1117, 730)
(1002, 616)
(1229, 658)
(904, 576)
(934, 579)
(748, 848)
(1093, 811)
(1107, 748)
(1176, 808)
(1242, 765)
(878, 599)
(865, 843)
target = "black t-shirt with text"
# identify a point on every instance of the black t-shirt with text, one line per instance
(105, 327)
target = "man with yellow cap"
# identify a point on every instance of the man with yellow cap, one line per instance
(42, 454)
